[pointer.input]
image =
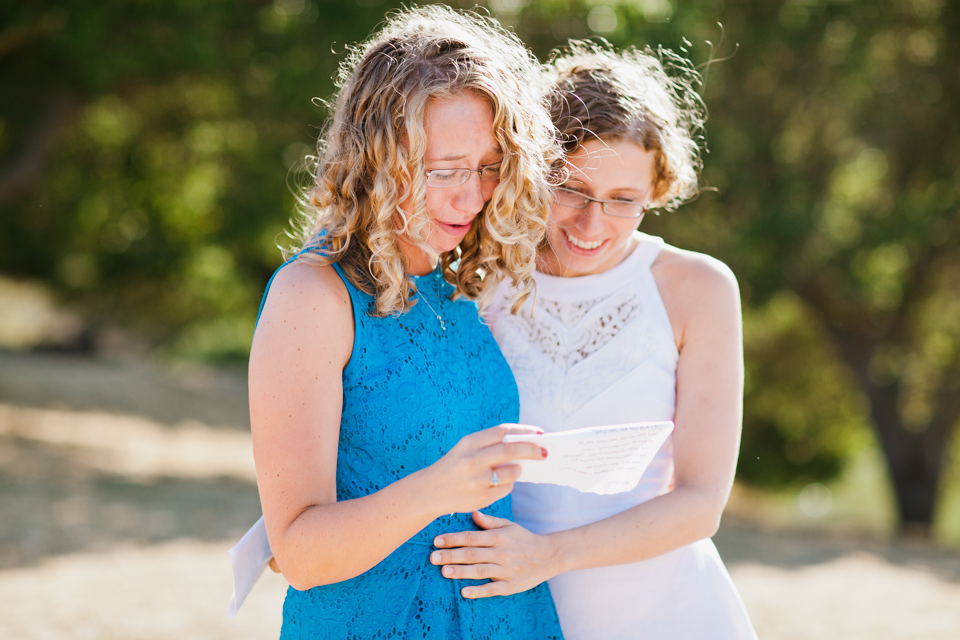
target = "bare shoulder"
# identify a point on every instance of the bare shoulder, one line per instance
(696, 289)
(694, 273)
(299, 283)
(306, 301)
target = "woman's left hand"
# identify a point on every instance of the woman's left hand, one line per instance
(512, 558)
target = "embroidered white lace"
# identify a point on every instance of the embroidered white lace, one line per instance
(567, 353)
(577, 330)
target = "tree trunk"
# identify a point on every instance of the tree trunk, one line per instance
(915, 458)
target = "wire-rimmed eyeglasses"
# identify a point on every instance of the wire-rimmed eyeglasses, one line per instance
(457, 177)
(616, 208)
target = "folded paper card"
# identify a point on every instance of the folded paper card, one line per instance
(249, 558)
(600, 460)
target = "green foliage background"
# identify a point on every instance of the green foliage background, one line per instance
(148, 152)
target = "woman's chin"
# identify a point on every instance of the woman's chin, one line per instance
(444, 245)
(569, 261)
(442, 241)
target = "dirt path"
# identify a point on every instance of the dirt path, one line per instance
(122, 486)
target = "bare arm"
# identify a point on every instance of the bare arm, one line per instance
(303, 341)
(702, 300)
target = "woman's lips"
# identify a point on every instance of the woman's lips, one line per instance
(455, 229)
(578, 246)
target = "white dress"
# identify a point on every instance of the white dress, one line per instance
(600, 350)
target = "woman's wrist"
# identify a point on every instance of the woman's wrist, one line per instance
(420, 490)
(557, 551)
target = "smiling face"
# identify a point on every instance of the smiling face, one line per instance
(459, 135)
(586, 241)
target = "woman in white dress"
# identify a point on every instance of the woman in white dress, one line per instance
(624, 329)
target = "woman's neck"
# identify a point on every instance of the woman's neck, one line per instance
(418, 262)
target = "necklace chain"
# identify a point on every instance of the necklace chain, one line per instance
(443, 325)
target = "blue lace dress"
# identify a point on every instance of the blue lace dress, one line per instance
(411, 390)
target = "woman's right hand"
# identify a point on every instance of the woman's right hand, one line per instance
(462, 480)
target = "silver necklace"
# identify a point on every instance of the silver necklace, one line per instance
(443, 325)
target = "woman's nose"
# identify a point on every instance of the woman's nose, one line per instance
(471, 196)
(592, 222)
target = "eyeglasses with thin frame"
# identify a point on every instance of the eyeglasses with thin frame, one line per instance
(572, 198)
(456, 177)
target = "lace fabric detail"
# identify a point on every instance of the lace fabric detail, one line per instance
(569, 314)
(410, 391)
(565, 355)
(574, 331)
(585, 340)
(405, 597)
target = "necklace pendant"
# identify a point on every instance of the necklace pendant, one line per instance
(443, 325)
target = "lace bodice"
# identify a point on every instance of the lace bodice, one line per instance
(590, 351)
(411, 389)
(569, 332)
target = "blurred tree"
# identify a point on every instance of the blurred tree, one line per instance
(834, 146)
(146, 149)
(802, 415)
(842, 149)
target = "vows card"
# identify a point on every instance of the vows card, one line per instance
(249, 558)
(600, 460)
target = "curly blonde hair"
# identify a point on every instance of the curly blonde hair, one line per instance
(648, 97)
(351, 210)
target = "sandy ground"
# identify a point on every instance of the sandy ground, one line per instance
(123, 485)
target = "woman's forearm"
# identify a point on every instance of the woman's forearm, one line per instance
(514, 559)
(337, 541)
(657, 526)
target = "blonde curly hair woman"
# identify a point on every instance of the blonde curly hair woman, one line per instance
(376, 393)
(371, 167)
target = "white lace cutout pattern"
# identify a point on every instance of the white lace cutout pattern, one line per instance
(574, 331)
(564, 368)
(568, 313)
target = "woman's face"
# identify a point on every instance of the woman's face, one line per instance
(585, 241)
(459, 135)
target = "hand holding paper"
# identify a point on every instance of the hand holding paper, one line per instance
(601, 460)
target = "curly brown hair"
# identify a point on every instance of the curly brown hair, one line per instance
(599, 93)
(363, 172)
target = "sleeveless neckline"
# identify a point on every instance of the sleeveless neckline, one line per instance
(600, 284)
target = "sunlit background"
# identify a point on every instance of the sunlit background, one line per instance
(150, 154)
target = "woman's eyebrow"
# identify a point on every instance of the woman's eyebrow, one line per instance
(447, 158)
(462, 156)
